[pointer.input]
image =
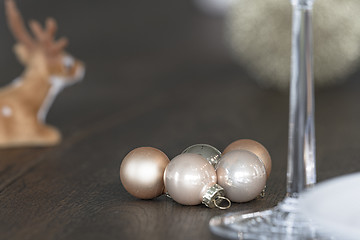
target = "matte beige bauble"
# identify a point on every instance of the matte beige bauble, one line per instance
(142, 170)
(255, 147)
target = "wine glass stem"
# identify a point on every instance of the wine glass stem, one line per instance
(301, 171)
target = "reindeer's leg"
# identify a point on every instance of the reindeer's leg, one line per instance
(28, 133)
(37, 133)
(47, 136)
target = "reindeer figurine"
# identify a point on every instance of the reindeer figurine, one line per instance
(48, 69)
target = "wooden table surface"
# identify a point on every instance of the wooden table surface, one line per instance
(159, 74)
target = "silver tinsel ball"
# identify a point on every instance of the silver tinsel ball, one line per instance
(210, 153)
(259, 33)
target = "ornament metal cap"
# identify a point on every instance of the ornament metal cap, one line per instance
(214, 196)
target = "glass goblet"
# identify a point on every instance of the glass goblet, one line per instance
(285, 221)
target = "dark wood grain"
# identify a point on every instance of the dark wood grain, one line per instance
(158, 74)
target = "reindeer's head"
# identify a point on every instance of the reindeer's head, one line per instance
(42, 52)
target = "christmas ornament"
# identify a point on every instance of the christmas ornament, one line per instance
(141, 172)
(259, 32)
(242, 175)
(253, 146)
(190, 180)
(207, 151)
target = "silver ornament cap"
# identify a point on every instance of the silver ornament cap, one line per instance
(214, 196)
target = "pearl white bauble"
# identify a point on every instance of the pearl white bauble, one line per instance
(242, 175)
(188, 177)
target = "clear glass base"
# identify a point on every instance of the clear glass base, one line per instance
(282, 222)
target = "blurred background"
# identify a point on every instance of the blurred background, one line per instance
(215, 65)
(256, 34)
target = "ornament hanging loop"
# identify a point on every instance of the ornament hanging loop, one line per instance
(263, 193)
(220, 200)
